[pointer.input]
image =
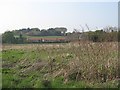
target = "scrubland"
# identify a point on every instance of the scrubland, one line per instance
(68, 65)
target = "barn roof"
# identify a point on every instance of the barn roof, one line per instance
(52, 39)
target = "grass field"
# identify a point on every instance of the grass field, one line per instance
(71, 65)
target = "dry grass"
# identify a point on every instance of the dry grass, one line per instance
(88, 61)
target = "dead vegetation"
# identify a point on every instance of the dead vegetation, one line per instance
(82, 61)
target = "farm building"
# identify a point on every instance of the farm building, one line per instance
(43, 40)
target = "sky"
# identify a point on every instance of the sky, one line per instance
(18, 14)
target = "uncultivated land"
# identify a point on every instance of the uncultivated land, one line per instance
(68, 65)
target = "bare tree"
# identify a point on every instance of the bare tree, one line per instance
(87, 27)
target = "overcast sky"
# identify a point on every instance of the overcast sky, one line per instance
(17, 14)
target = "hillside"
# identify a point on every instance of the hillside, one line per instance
(43, 32)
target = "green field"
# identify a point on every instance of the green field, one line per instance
(73, 65)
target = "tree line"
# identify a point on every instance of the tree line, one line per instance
(58, 31)
(103, 35)
(8, 37)
(19, 36)
(107, 34)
